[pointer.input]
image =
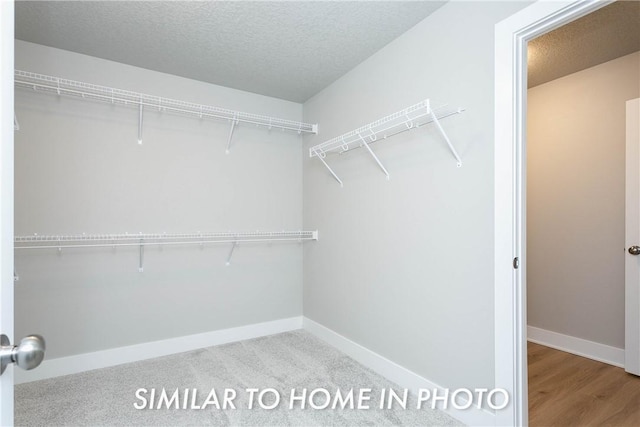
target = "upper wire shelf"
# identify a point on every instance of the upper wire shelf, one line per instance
(59, 86)
(141, 240)
(407, 119)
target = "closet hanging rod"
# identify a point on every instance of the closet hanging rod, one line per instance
(111, 240)
(59, 86)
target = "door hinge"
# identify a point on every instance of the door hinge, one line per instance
(516, 262)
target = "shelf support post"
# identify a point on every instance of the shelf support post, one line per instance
(364, 143)
(141, 260)
(234, 122)
(321, 157)
(140, 113)
(446, 138)
(233, 246)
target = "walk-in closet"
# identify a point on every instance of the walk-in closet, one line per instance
(209, 198)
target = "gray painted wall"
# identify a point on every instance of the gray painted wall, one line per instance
(405, 267)
(576, 199)
(79, 169)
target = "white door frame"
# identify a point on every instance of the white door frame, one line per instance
(511, 38)
(6, 199)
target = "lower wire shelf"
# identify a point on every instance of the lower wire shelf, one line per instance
(141, 240)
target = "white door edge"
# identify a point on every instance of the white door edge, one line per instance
(632, 237)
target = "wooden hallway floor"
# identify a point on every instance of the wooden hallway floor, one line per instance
(569, 390)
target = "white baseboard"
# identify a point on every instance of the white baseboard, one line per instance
(133, 353)
(394, 372)
(589, 349)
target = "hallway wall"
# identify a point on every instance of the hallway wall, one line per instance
(576, 201)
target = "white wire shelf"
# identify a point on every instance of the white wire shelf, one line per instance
(410, 118)
(84, 240)
(59, 86)
(141, 240)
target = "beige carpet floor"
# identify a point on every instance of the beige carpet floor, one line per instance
(292, 360)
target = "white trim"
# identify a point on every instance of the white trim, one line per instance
(581, 347)
(133, 353)
(511, 37)
(394, 372)
(6, 200)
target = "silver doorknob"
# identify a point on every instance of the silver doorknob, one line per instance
(634, 250)
(27, 355)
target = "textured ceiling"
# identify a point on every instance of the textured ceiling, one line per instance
(289, 50)
(608, 33)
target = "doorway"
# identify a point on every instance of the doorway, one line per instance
(579, 79)
(512, 38)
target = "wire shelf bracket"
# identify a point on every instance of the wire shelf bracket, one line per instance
(322, 156)
(58, 242)
(234, 122)
(64, 87)
(140, 116)
(410, 118)
(233, 246)
(366, 145)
